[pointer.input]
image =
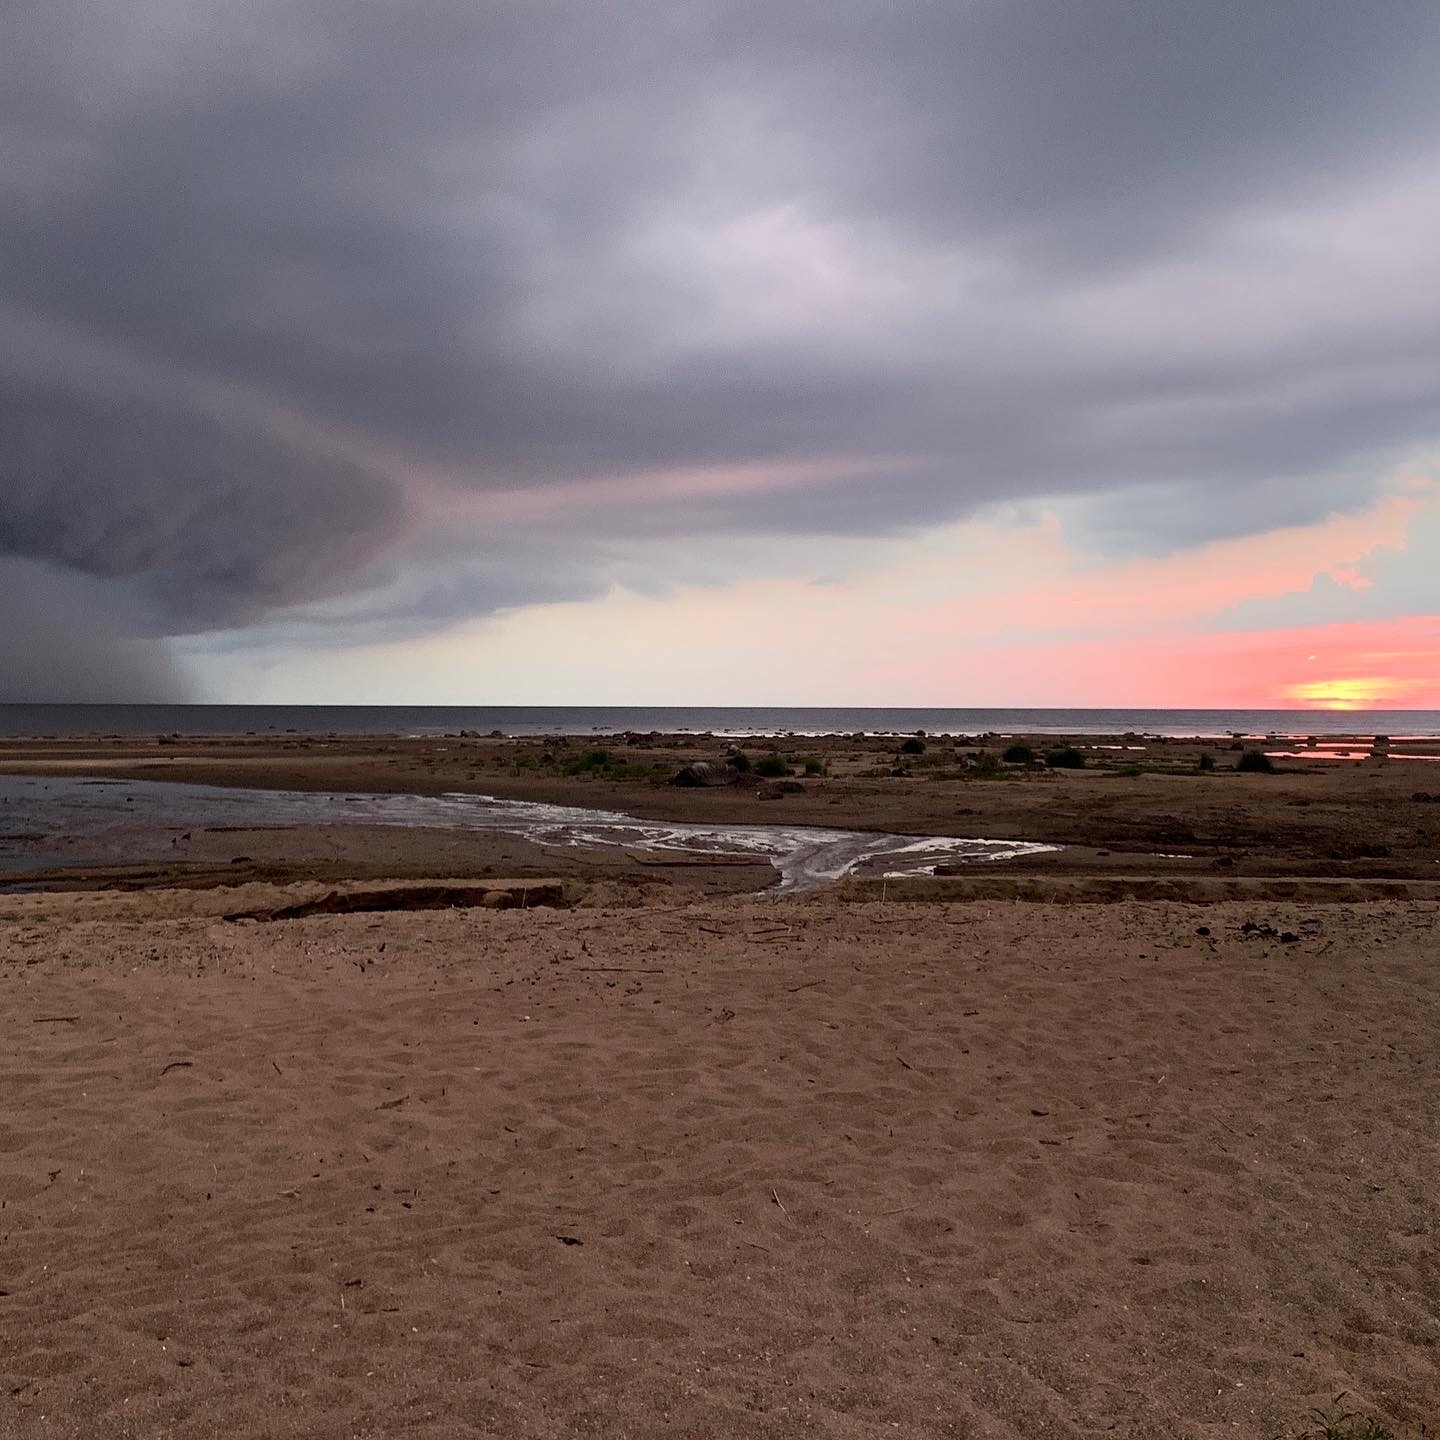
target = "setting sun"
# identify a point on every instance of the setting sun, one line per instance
(1362, 693)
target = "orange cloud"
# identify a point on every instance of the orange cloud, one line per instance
(1048, 588)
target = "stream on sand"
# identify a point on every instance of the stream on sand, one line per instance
(47, 822)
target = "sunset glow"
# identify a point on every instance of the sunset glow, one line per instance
(962, 616)
(1365, 693)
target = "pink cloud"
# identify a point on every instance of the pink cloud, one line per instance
(1376, 665)
(1056, 589)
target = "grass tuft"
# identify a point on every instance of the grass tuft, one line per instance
(1335, 1422)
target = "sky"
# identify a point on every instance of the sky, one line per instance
(957, 352)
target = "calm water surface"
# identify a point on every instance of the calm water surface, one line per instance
(601, 720)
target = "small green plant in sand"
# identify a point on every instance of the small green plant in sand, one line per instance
(1019, 755)
(1335, 1422)
(1205, 763)
(740, 760)
(913, 746)
(815, 767)
(1068, 758)
(1255, 762)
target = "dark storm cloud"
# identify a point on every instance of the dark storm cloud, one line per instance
(339, 258)
(215, 521)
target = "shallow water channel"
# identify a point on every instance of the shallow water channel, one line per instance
(47, 822)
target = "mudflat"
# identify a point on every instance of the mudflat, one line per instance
(618, 1154)
(1139, 807)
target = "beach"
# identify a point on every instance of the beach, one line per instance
(720, 721)
(1132, 1136)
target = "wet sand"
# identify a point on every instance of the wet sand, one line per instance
(929, 1158)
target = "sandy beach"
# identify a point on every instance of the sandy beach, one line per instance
(654, 1156)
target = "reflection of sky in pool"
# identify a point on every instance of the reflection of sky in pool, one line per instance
(46, 822)
(1338, 753)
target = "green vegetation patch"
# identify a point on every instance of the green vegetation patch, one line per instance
(603, 765)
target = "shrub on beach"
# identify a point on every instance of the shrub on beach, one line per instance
(772, 767)
(913, 746)
(1019, 755)
(1067, 759)
(1205, 762)
(815, 767)
(1255, 762)
(740, 760)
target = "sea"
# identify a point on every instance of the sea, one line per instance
(56, 720)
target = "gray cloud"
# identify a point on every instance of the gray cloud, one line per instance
(295, 299)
